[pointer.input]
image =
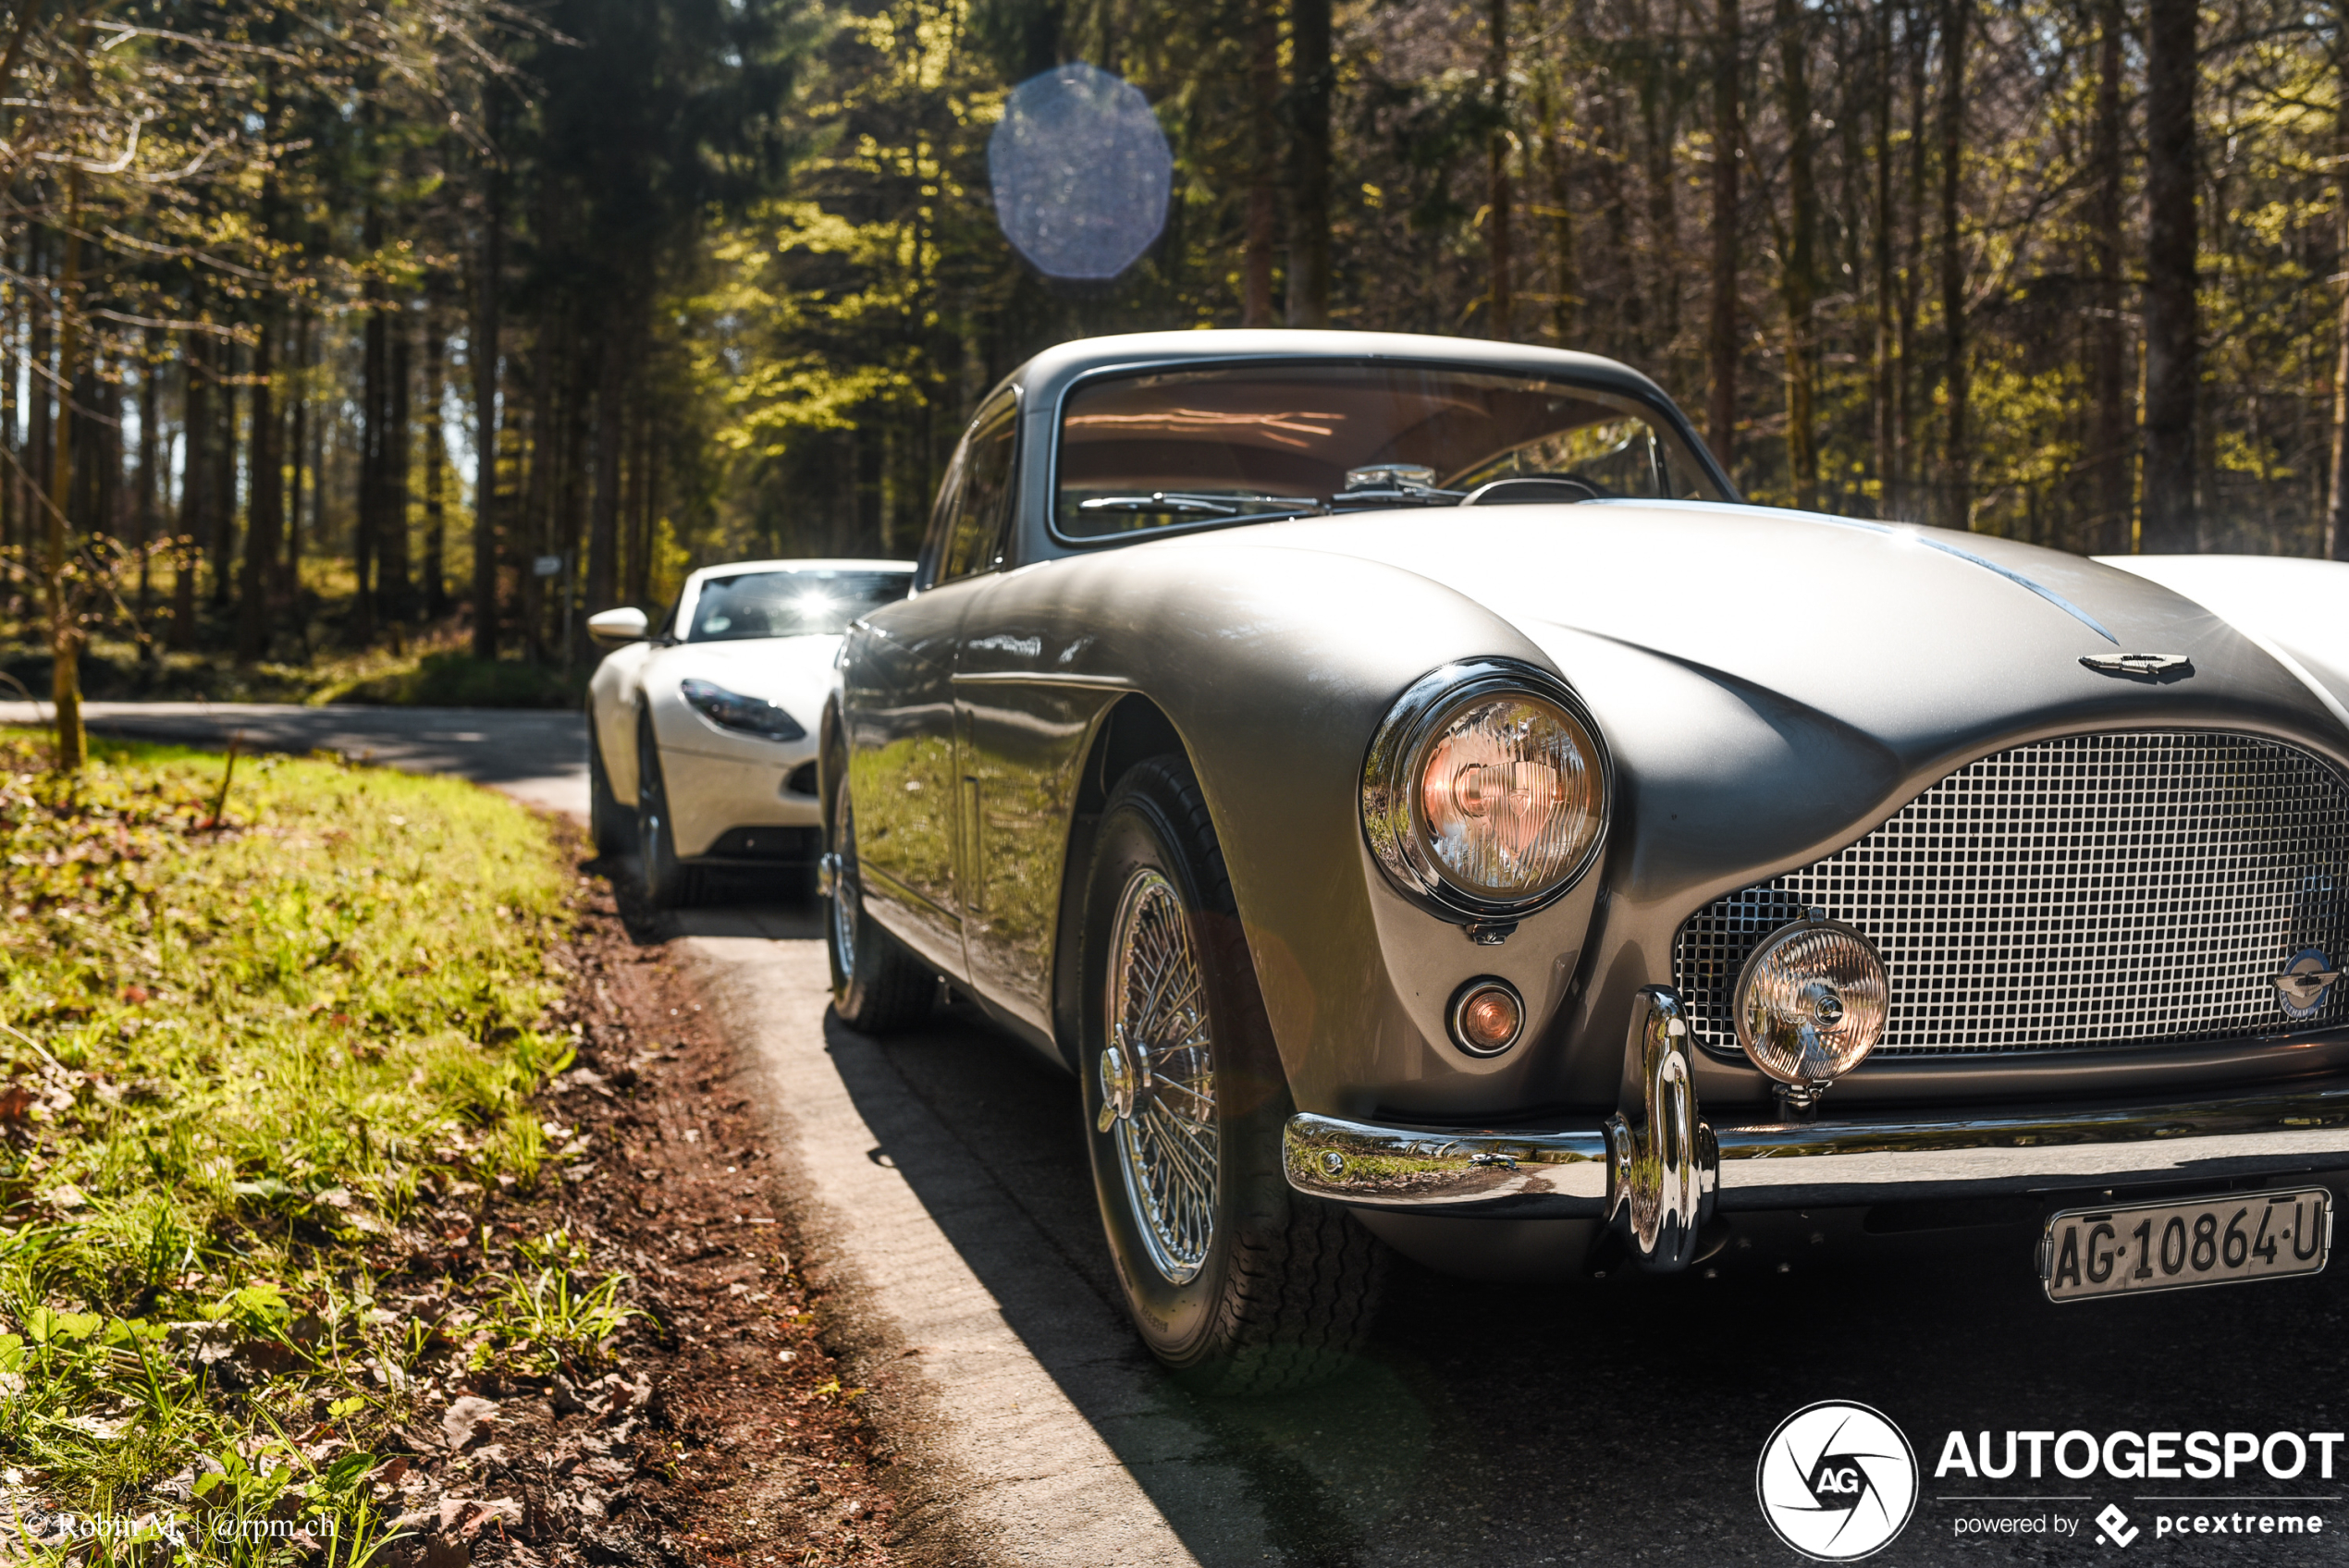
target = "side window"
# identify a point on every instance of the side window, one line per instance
(981, 505)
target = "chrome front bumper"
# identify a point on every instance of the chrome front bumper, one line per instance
(1658, 1182)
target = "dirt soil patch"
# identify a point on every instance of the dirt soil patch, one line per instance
(729, 1433)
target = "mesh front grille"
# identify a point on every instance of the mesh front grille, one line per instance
(2093, 891)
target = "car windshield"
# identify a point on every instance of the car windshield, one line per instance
(1243, 441)
(788, 604)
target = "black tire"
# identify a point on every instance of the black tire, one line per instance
(611, 826)
(669, 883)
(879, 986)
(1281, 1289)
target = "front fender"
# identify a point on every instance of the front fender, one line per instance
(1274, 668)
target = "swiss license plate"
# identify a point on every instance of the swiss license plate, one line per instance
(2133, 1248)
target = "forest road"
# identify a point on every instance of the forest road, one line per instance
(537, 755)
(1486, 1426)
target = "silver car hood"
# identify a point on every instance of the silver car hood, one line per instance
(1773, 682)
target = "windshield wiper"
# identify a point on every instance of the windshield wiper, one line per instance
(1204, 506)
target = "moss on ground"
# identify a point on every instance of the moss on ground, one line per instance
(235, 1059)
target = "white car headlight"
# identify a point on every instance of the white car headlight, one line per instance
(1486, 791)
(744, 715)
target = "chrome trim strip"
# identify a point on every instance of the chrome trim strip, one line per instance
(1917, 535)
(1997, 1152)
(2058, 600)
(1041, 677)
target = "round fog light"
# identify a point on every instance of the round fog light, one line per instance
(1487, 1017)
(1811, 1003)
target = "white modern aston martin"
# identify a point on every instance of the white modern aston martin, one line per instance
(702, 732)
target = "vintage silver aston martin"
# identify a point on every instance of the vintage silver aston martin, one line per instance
(1425, 807)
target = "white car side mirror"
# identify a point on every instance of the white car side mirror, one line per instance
(613, 629)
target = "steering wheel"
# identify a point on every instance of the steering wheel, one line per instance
(1528, 489)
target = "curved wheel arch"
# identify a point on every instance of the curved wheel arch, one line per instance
(1130, 730)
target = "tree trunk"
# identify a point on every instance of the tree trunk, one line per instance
(1721, 430)
(1500, 302)
(2111, 454)
(640, 587)
(633, 545)
(264, 513)
(1914, 490)
(611, 434)
(571, 516)
(1886, 429)
(195, 485)
(40, 419)
(2335, 544)
(297, 459)
(1264, 167)
(317, 465)
(2172, 346)
(101, 488)
(1661, 135)
(1308, 243)
(436, 584)
(393, 575)
(11, 497)
(1555, 158)
(1957, 458)
(224, 482)
(143, 511)
(1630, 334)
(65, 636)
(540, 502)
(366, 539)
(1798, 285)
(483, 352)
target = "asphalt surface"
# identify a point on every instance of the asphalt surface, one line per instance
(1622, 1420)
(1611, 1421)
(537, 755)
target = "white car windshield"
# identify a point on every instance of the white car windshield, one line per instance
(1231, 442)
(788, 604)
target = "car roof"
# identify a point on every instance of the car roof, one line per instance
(1043, 377)
(799, 563)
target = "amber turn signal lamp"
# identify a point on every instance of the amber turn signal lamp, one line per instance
(1487, 1017)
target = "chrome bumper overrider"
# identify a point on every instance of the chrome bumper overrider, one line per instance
(1658, 1172)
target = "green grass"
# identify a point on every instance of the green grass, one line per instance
(241, 1068)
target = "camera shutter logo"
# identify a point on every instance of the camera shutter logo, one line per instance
(1837, 1481)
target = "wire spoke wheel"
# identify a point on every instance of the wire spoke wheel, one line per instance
(1166, 1132)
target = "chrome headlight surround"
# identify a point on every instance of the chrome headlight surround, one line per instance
(1390, 786)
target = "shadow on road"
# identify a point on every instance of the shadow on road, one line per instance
(1600, 1420)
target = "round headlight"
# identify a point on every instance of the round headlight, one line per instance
(1812, 1002)
(1508, 799)
(1486, 793)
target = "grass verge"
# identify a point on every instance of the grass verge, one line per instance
(245, 1068)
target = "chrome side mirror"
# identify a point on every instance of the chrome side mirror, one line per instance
(614, 629)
